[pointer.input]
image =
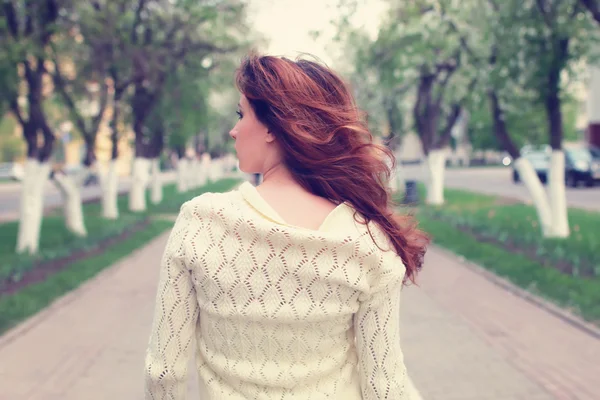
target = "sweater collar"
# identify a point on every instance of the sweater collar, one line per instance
(253, 197)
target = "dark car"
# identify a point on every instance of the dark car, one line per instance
(582, 166)
(540, 161)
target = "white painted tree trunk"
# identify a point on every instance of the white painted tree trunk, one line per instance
(558, 196)
(183, 171)
(436, 166)
(32, 205)
(204, 169)
(193, 173)
(139, 182)
(156, 194)
(400, 179)
(216, 170)
(538, 195)
(109, 183)
(72, 206)
(393, 181)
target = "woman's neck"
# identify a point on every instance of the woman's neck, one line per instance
(278, 174)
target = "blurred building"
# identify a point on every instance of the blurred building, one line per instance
(593, 106)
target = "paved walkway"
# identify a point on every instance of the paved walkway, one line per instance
(464, 338)
(467, 338)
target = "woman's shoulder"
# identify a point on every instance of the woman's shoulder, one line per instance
(212, 202)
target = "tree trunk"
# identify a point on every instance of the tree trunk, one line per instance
(204, 169)
(192, 174)
(538, 195)
(216, 170)
(500, 129)
(436, 165)
(109, 183)
(558, 196)
(393, 181)
(183, 170)
(156, 195)
(400, 178)
(32, 205)
(71, 203)
(139, 182)
(593, 7)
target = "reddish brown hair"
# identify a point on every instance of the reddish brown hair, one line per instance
(327, 144)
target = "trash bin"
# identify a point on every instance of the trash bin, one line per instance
(411, 194)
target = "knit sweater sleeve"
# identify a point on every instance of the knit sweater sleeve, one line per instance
(175, 317)
(377, 326)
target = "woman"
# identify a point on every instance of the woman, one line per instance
(290, 290)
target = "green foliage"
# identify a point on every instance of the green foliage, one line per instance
(57, 242)
(526, 52)
(527, 125)
(17, 307)
(504, 238)
(11, 146)
(516, 48)
(575, 293)
(32, 298)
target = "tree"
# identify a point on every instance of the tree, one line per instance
(80, 77)
(418, 49)
(26, 31)
(167, 34)
(527, 50)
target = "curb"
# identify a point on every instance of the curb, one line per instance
(551, 308)
(34, 320)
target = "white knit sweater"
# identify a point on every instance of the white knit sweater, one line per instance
(276, 311)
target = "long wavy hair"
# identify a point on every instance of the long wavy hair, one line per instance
(327, 145)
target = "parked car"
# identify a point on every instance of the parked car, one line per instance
(582, 166)
(539, 159)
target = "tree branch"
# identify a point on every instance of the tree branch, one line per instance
(61, 85)
(14, 106)
(593, 7)
(11, 18)
(28, 18)
(500, 129)
(541, 5)
(137, 20)
(442, 87)
(450, 122)
(97, 119)
(49, 16)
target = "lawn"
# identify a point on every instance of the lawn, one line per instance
(504, 237)
(18, 306)
(57, 243)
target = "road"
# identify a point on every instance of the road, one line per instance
(490, 180)
(10, 195)
(498, 181)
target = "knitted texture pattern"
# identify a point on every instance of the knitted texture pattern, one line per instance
(275, 311)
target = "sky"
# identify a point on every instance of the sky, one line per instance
(287, 24)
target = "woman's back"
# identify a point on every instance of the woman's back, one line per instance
(278, 307)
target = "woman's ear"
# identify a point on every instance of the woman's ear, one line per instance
(270, 138)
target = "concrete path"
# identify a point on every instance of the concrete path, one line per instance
(468, 338)
(464, 338)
